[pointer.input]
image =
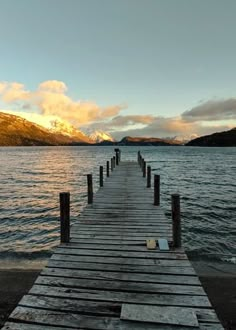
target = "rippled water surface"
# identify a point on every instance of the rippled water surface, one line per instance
(32, 177)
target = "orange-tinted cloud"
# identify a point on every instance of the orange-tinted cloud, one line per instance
(50, 99)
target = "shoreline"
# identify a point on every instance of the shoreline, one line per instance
(219, 282)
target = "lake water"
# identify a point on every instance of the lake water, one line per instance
(32, 177)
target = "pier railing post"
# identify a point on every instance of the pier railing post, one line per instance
(138, 157)
(65, 216)
(114, 161)
(90, 188)
(156, 189)
(144, 169)
(141, 163)
(111, 164)
(176, 220)
(149, 177)
(108, 165)
(117, 158)
(101, 176)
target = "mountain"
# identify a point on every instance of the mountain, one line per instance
(144, 141)
(222, 139)
(100, 136)
(17, 131)
(60, 126)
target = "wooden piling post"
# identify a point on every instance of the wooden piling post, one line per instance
(111, 164)
(101, 176)
(114, 161)
(176, 220)
(117, 157)
(149, 176)
(144, 169)
(90, 188)
(108, 165)
(138, 157)
(156, 189)
(65, 216)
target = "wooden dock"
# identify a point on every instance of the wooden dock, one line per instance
(106, 278)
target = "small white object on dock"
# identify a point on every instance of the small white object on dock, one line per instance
(163, 244)
(151, 244)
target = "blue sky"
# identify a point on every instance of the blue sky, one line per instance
(151, 58)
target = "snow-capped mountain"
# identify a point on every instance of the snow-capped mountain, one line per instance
(58, 125)
(99, 136)
(54, 125)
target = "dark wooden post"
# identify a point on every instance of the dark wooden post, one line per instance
(65, 217)
(176, 220)
(101, 176)
(117, 158)
(149, 177)
(114, 161)
(108, 168)
(90, 188)
(156, 189)
(138, 157)
(111, 164)
(144, 169)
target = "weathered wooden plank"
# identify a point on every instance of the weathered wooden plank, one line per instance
(117, 231)
(69, 305)
(77, 239)
(160, 314)
(138, 268)
(58, 278)
(166, 254)
(79, 321)
(154, 254)
(121, 276)
(120, 222)
(27, 326)
(51, 289)
(129, 237)
(124, 261)
(118, 227)
(99, 221)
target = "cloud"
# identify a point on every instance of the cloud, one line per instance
(120, 121)
(212, 110)
(13, 92)
(54, 86)
(171, 127)
(50, 99)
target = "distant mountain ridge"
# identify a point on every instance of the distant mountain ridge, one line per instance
(18, 131)
(221, 139)
(128, 140)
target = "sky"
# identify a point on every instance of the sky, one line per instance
(129, 67)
